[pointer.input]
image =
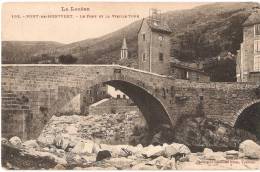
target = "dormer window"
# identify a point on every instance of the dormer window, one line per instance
(257, 29)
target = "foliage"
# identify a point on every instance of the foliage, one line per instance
(67, 59)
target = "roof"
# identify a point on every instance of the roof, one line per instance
(179, 65)
(157, 27)
(124, 46)
(254, 18)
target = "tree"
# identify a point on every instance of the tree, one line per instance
(67, 59)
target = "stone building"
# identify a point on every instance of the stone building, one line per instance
(248, 59)
(154, 46)
(154, 51)
(185, 71)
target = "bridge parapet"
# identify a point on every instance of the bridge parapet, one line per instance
(44, 84)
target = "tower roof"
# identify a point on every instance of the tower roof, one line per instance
(157, 26)
(124, 46)
(254, 18)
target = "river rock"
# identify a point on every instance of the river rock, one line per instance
(30, 144)
(59, 167)
(16, 141)
(120, 163)
(181, 148)
(48, 155)
(207, 151)
(249, 149)
(170, 150)
(232, 154)
(152, 151)
(103, 155)
(163, 163)
(82, 147)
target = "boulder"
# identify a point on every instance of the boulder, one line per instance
(207, 151)
(30, 144)
(103, 155)
(221, 131)
(181, 148)
(96, 148)
(83, 147)
(120, 163)
(89, 158)
(47, 155)
(163, 163)
(59, 167)
(170, 150)
(124, 152)
(16, 141)
(249, 149)
(232, 154)
(152, 151)
(120, 150)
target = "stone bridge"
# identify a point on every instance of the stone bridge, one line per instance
(31, 94)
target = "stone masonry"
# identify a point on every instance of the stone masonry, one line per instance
(161, 99)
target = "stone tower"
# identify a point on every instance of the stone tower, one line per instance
(124, 50)
(154, 45)
(248, 59)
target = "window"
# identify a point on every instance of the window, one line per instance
(187, 75)
(161, 57)
(160, 38)
(198, 77)
(144, 58)
(257, 45)
(257, 29)
(257, 63)
(143, 37)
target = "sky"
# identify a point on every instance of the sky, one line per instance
(23, 22)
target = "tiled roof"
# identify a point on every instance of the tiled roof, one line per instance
(156, 26)
(254, 18)
(184, 65)
(159, 27)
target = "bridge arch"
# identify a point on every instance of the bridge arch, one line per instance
(248, 118)
(152, 108)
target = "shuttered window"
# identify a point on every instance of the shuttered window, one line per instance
(257, 45)
(257, 29)
(257, 63)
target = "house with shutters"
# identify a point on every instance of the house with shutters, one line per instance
(154, 51)
(248, 59)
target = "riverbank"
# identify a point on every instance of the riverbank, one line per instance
(89, 155)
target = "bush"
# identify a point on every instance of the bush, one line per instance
(67, 59)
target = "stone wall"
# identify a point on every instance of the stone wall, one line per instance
(16, 114)
(160, 99)
(112, 106)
